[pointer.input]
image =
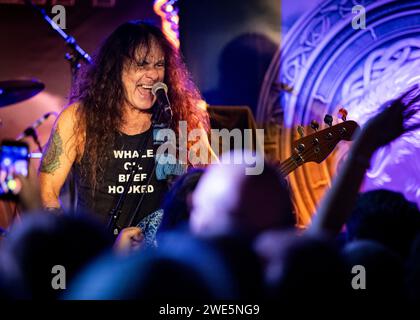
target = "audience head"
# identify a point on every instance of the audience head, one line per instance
(177, 201)
(412, 283)
(245, 270)
(386, 217)
(301, 268)
(181, 268)
(230, 199)
(383, 271)
(44, 240)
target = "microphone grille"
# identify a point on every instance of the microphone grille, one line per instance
(159, 85)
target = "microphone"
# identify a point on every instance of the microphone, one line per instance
(160, 91)
(30, 131)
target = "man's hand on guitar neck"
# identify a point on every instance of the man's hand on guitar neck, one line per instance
(128, 240)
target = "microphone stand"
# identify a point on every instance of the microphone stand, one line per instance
(31, 131)
(77, 54)
(159, 119)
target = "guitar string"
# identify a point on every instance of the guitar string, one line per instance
(290, 163)
(286, 166)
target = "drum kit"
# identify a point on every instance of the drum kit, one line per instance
(14, 91)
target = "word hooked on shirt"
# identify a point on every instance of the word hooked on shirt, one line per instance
(138, 177)
(146, 188)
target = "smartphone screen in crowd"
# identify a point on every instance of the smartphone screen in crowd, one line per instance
(14, 160)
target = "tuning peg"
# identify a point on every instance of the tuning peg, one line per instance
(328, 119)
(300, 131)
(314, 125)
(343, 114)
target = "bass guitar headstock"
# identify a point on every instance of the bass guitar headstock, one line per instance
(317, 146)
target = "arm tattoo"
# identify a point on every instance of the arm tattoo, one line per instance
(51, 158)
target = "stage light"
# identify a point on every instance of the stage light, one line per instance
(170, 19)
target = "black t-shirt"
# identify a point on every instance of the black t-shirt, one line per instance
(122, 156)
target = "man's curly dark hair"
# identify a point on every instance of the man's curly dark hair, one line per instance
(100, 92)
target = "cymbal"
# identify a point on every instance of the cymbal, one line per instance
(13, 91)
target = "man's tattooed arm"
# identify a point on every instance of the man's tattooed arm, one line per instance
(51, 158)
(58, 158)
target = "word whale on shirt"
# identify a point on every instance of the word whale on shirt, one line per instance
(132, 154)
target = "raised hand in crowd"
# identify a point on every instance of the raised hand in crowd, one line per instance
(396, 118)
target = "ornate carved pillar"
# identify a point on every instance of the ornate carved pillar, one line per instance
(324, 63)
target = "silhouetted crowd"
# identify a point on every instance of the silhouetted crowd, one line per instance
(226, 235)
